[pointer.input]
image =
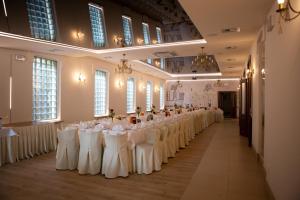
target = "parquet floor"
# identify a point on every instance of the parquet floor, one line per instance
(37, 178)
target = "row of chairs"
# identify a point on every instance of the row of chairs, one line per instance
(93, 152)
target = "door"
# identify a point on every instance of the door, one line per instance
(227, 102)
(245, 119)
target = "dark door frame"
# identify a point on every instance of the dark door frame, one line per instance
(245, 111)
(235, 101)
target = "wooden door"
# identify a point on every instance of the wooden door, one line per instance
(227, 102)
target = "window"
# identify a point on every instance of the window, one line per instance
(158, 35)
(41, 19)
(130, 95)
(127, 30)
(44, 85)
(162, 63)
(148, 96)
(97, 24)
(146, 33)
(149, 61)
(161, 97)
(101, 106)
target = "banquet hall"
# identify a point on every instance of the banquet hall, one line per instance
(149, 99)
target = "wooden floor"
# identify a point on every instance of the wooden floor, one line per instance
(38, 179)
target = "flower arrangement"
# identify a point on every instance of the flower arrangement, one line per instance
(138, 110)
(111, 113)
(153, 109)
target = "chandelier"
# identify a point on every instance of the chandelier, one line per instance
(123, 67)
(202, 61)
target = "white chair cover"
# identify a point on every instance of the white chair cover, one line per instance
(148, 154)
(164, 140)
(171, 139)
(67, 150)
(115, 158)
(90, 154)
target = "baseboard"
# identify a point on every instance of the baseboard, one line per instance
(260, 160)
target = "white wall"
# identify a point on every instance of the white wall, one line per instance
(198, 93)
(282, 97)
(76, 99)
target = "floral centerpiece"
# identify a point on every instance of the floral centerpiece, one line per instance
(138, 110)
(153, 109)
(111, 114)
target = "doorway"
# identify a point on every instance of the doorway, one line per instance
(227, 102)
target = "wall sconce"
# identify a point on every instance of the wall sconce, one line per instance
(119, 83)
(81, 78)
(78, 35)
(250, 72)
(142, 87)
(156, 89)
(263, 73)
(154, 42)
(157, 63)
(140, 41)
(119, 41)
(286, 9)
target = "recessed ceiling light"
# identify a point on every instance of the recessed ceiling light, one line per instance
(230, 47)
(230, 59)
(231, 30)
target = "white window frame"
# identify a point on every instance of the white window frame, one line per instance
(134, 96)
(107, 92)
(151, 95)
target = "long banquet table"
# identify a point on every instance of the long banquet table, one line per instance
(193, 122)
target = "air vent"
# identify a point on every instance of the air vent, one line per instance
(55, 50)
(164, 54)
(231, 30)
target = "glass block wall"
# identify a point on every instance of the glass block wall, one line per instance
(127, 30)
(146, 33)
(97, 24)
(45, 81)
(130, 95)
(41, 19)
(100, 93)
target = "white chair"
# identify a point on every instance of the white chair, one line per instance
(186, 131)
(164, 141)
(90, 153)
(176, 134)
(115, 158)
(181, 133)
(148, 154)
(67, 149)
(171, 139)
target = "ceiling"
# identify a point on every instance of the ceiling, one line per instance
(211, 17)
